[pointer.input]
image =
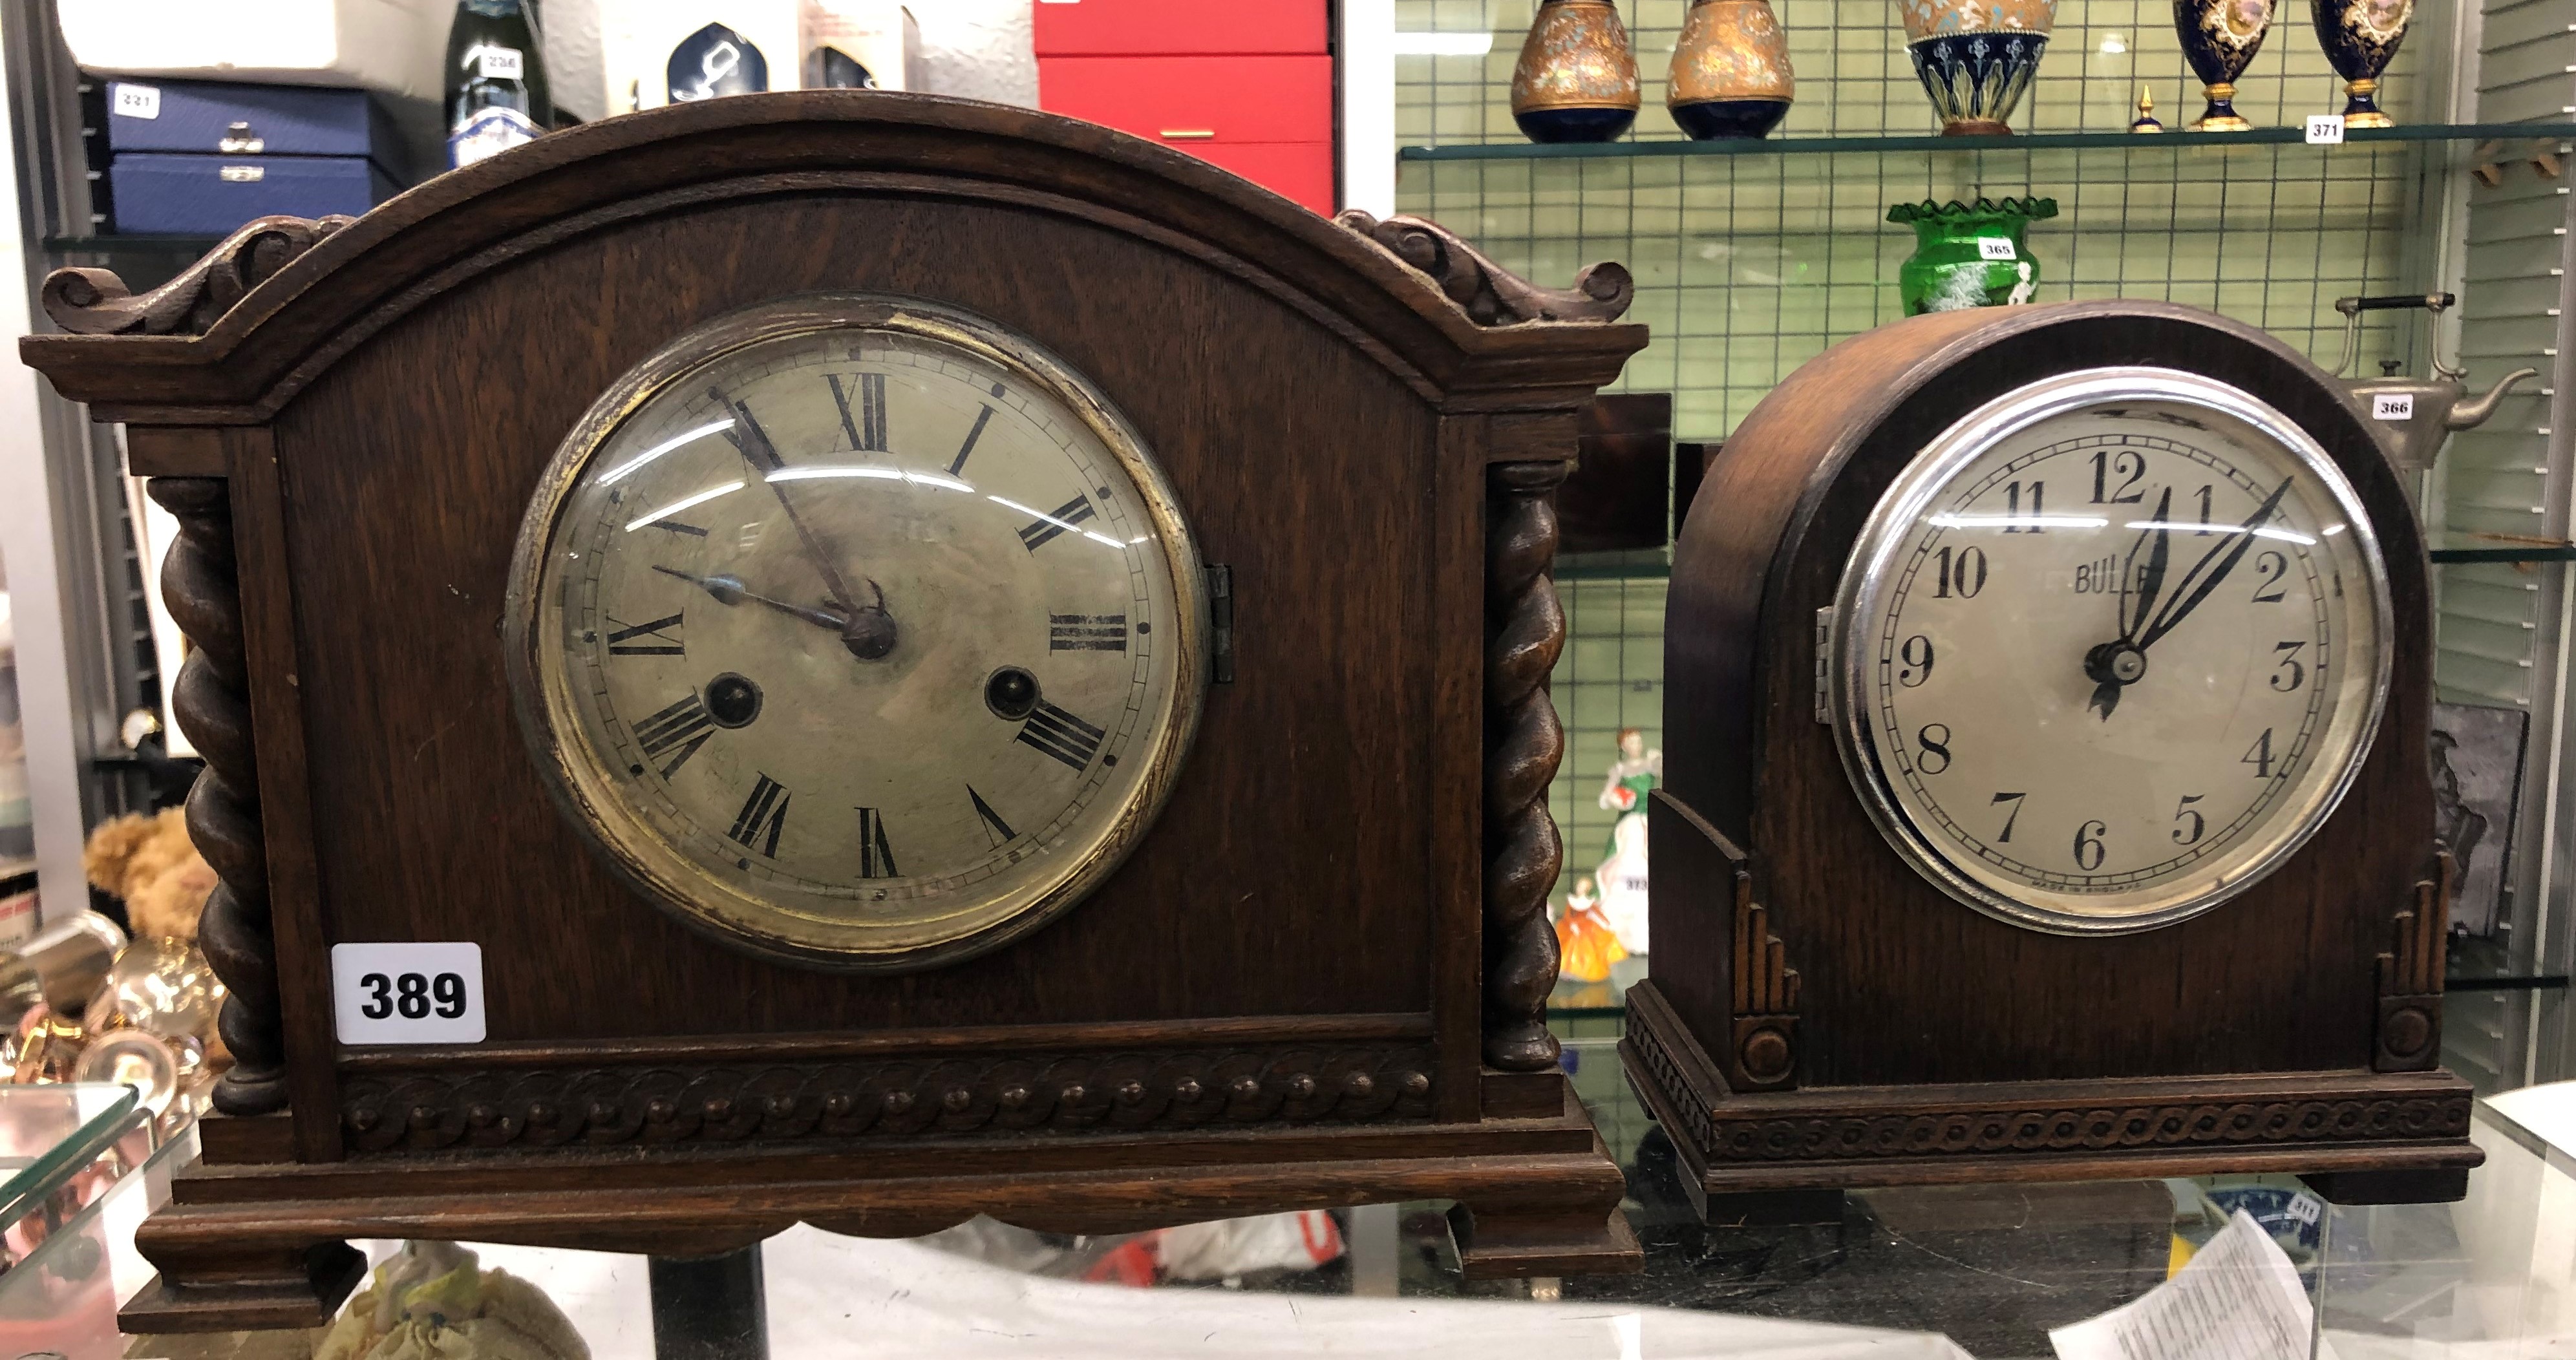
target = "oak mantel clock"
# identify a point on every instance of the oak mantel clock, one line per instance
(2047, 712)
(916, 658)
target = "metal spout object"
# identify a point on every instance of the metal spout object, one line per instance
(2470, 415)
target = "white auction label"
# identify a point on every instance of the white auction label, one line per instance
(2325, 129)
(408, 993)
(504, 63)
(1995, 248)
(134, 101)
(2392, 406)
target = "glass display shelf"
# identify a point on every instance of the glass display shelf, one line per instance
(1920, 1273)
(67, 1219)
(2463, 550)
(48, 1131)
(1657, 564)
(135, 244)
(2029, 141)
(1648, 564)
(2537, 982)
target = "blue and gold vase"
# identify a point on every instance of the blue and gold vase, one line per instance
(1975, 57)
(1969, 254)
(2219, 39)
(1730, 75)
(1577, 80)
(2360, 38)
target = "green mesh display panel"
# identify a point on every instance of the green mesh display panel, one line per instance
(1748, 265)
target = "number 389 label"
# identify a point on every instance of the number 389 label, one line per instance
(408, 993)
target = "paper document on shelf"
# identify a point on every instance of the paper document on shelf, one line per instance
(2238, 1299)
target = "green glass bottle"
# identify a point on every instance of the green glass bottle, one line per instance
(496, 79)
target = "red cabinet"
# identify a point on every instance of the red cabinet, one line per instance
(1243, 84)
(1302, 171)
(1196, 99)
(1138, 28)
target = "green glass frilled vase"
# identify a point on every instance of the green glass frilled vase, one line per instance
(1969, 254)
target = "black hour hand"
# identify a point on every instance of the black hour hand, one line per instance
(2157, 538)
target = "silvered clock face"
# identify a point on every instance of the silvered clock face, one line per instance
(2110, 650)
(863, 635)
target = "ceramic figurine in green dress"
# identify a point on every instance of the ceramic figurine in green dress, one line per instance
(1632, 776)
(1622, 872)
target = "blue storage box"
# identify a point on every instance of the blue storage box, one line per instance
(179, 195)
(218, 118)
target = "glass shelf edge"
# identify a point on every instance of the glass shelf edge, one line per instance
(2461, 556)
(113, 244)
(1579, 570)
(2467, 984)
(2035, 141)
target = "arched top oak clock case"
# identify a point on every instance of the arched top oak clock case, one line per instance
(928, 659)
(2047, 694)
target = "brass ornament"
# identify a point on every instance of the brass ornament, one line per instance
(1576, 80)
(1730, 74)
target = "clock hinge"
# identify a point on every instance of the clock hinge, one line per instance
(1220, 589)
(1825, 665)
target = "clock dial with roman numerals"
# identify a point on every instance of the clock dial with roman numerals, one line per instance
(859, 631)
(2110, 649)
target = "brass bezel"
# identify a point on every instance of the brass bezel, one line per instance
(587, 795)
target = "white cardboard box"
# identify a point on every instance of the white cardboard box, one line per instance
(394, 46)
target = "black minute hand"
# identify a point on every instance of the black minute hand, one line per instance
(868, 632)
(729, 590)
(753, 443)
(2211, 569)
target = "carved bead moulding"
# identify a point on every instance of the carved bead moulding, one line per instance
(757, 1102)
(1973, 1127)
(2241, 1124)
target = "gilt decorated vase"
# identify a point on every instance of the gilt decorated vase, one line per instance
(1976, 57)
(1576, 80)
(1730, 73)
(2219, 39)
(2360, 38)
(1969, 254)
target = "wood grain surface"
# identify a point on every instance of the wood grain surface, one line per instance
(1300, 464)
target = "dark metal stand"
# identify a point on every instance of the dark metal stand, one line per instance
(709, 1307)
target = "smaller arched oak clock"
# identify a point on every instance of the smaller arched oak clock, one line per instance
(857, 631)
(2046, 708)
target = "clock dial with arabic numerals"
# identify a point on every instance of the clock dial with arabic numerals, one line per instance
(2109, 650)
(861, 632)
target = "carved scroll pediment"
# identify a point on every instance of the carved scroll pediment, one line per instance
(97, 302)
(1491, 294)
